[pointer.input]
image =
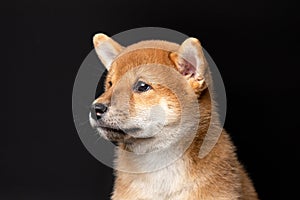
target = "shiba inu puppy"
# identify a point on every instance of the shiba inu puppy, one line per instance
(157, 106)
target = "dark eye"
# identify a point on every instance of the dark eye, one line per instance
(110, 83)
(141, 86)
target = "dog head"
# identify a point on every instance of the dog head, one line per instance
(149, 88)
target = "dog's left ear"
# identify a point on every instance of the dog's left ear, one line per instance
(106, 48)
(191, 63)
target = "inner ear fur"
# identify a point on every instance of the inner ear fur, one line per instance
(106, 48)
(190, 61)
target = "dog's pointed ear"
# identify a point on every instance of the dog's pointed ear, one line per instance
(106, 48)
(191, 63)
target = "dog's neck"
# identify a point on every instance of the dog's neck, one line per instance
(206, 107)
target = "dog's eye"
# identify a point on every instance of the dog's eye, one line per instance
(141, 86)
(110, 83)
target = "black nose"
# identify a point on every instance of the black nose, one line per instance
(97, 110)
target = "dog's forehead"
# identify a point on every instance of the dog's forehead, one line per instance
(145, 52)
(151, 44)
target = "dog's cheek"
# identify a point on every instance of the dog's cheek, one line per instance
(153, 103)
(167, 105)
(170, 103)
(173, 110)
(141, 103)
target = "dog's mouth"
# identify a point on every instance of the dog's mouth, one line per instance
(122, 135)
(113, 130)
(128, 131)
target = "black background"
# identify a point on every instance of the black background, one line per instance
(255, 45)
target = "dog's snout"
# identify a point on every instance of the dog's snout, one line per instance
(98, 110)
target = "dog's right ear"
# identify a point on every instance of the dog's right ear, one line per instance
(190, 62)
(106, 48)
